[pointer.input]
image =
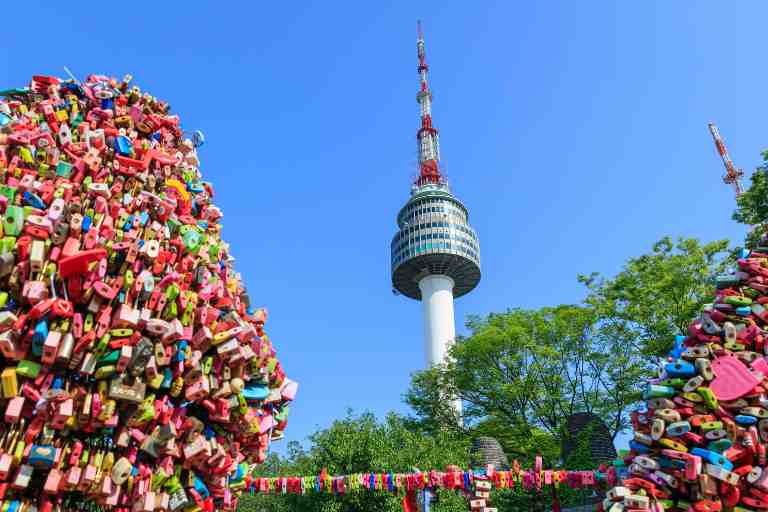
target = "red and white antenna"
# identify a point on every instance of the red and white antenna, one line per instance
(732, 175)
(427, 136)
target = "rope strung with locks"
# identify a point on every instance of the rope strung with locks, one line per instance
(399, 483)
(134, 372)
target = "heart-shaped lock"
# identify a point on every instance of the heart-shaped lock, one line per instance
(732, 379)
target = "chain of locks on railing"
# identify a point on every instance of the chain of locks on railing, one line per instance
(701, 443)
(135, 375)
(475, 484)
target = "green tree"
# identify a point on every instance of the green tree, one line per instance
(656, 295)
(752, 204)
(522, 373)
(360, 444)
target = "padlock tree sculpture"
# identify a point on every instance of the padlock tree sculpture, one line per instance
(700, 441)
(135, 374)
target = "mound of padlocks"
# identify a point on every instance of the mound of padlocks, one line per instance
(135, 375)
(701, 444)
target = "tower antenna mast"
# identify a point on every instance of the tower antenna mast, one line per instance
(732, 175)
(427, 136)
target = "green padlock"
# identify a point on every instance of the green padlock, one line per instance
(171, 311)
(9, 192)
(192, 239)
(26, 155)
(101, 347)
(109, 359)
(738, 300)
(158, 479)
(709, 398)
(128, 281)
(28, 369)
(172, 291)
(675, 383)
(13, 221)
(104, 372)
(207, 365)
(7, 244)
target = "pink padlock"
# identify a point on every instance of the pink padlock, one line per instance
(13, 409)
(35, 291)
(202, 339)
(693, 466)
(71, 247)
(73, 477)
(64, 411)
(53, 481)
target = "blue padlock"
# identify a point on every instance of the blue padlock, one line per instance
(743, 419)
(654, 391)
(680, 369)
(678, 428)
(666, 462)
(743, 310)
(181, 348)
(167, 378)
(254, 392)
(713, 458)
(638, 447)
(87, 221)
(678, 348)
(123, 144)
(42, 455)
(39, 336)
(201, 488)
(720, 446)
(33, 200)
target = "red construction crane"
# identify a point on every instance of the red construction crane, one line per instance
(732, 175)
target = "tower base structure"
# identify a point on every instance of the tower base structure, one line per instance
(439, 327)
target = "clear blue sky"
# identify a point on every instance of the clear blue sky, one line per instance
(575, 132)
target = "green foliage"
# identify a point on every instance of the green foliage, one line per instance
(752, 204)
(360, 444)
(656, 295)
(522, 373)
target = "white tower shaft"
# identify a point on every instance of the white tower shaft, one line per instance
(439, 327)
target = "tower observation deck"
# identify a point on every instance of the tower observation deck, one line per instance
(435, 253)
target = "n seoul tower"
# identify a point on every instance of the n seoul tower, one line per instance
(435, 253)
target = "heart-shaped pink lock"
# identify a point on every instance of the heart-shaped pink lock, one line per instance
(732, 379)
